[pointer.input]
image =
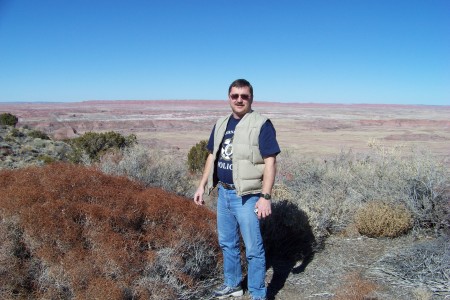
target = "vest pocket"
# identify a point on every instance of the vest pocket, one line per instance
(246, 170)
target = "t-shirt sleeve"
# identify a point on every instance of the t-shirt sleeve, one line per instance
(268, 144)
(210, 145)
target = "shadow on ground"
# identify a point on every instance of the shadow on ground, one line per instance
(289, 243)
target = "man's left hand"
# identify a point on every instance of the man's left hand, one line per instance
(264, 208)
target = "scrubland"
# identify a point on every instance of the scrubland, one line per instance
(356, 225)
(386, 194)
(72, 232)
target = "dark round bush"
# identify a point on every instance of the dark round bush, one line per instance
(8, 119)
(197, 156)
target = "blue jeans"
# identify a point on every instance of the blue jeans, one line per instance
(236, 213)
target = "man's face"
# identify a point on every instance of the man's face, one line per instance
(240, 100)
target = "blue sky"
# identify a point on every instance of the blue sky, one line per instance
(335, 51)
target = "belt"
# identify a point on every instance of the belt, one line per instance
(227, 186)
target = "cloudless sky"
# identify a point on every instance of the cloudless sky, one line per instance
(323, 51)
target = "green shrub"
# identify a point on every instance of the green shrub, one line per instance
(37, 134)
(8, 119)
(46, 159)
(10, 139)
(379, 219)
(197, 156)
(16, 133)
(95, 144)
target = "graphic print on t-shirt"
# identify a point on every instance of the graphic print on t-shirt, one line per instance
(225, 163)
(227, 149)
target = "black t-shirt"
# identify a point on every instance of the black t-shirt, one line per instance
(268, 146)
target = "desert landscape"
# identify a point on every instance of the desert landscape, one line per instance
(347, 265)
(308, 129)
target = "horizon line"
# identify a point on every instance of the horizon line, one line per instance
(223, 100)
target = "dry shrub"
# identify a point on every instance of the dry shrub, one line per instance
(153, 168)
(70, 231)
(422, 293)
(355, 287)
(281, 192)
(332, 190)
(317, 191)
(379, 219)
(423, 265)
(149, 288)
(12, 276)
(104, 289)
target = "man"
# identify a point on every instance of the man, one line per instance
(242, 163)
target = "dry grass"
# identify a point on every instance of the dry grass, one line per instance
(332, 191)
(150, 167)
(423, 266)
(73, 232)
(379, 219)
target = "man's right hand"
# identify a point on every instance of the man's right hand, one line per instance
(198, 196)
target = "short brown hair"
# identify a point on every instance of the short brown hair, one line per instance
(241, 83)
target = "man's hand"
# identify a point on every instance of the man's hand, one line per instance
(264, 208)
(263, 205)
(198, 196)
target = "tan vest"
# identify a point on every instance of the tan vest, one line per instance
(248, 164)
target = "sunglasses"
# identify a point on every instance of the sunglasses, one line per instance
(243, 96)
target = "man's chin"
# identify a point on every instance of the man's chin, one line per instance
(239, 114)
